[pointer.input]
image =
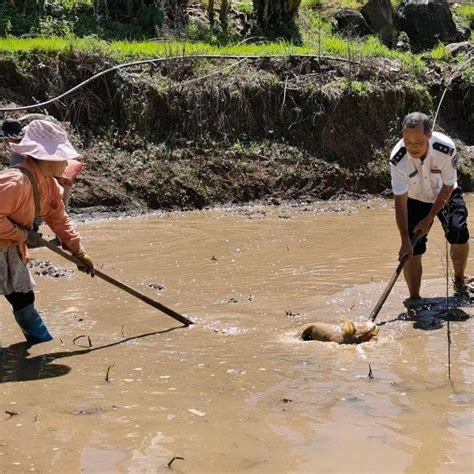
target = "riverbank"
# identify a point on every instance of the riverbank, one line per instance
(193, 132)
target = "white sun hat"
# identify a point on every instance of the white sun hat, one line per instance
(45, 140)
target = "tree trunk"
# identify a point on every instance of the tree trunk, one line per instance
(276, 14)
(130, 10)
(225, 7)
(175, 12)
(210, 12)
(25, 5)
(121, 9)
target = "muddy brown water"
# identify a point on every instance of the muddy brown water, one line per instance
(238, 391)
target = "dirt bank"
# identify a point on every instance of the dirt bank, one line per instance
(291, 129)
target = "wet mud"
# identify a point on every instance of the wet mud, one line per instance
(46, 268)
(124, 388)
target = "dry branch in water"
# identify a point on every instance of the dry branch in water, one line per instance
(108, 372)
(171, 462)
(83, 335)
(371, 375)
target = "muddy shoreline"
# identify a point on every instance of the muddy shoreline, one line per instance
(336, 205)
(282, 130)
(332, 206)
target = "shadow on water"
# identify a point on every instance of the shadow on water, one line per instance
(432, 313)
(17, 366)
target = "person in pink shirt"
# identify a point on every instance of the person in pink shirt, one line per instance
(27, 191)
(12, 131)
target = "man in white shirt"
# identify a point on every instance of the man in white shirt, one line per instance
(424, 181)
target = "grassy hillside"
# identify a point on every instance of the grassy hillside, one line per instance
(191, 133)
(73, 19)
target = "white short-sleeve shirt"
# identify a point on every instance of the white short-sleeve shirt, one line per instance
(423, 180)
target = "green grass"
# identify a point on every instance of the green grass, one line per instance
(123, 50)
(316, 30)
(74, 3)
(136, 49)
(331, 4)
(466, 12)
(369, 48)
(337, 4)
(244, 6)
(440, 53)
(311, 4)
(464, 15)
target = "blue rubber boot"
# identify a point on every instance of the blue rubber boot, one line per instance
(32, 325)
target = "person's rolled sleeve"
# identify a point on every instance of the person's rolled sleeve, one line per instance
(399, 181)
(449, 172)
(57, 218)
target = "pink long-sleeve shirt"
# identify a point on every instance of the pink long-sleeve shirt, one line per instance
(17, 208)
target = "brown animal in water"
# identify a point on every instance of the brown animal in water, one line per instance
(347, 333)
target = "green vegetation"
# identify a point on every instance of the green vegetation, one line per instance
(337, 4)
(132, 49)
(64, 18)
(463, 63)
(440, 53)
(147, 136)
(244, 6)
(124, 50)
(464, 17)
(70, 25)
(466, 12)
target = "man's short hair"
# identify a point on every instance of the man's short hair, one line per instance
(416, 118)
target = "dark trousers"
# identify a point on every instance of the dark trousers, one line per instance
(453, 218)
(20, 300)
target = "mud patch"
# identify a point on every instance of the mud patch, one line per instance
(159, 287)
(87, 411)
(46, 268)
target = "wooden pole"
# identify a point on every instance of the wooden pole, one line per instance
(146, 299)
(392, 281)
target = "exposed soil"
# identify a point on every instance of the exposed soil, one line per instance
(284, 129)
